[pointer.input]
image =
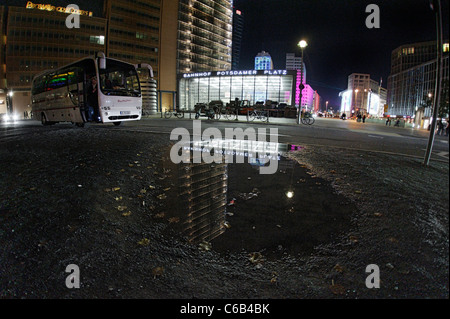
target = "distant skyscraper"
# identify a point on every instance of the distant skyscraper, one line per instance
(263, 61)
(238, 28)
(293, 62)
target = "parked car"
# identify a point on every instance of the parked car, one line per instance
(4, 117)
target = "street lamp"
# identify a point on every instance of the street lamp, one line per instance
(9, 97)
(435, 5)
(326, 104)
(356, 99)
(302, 44)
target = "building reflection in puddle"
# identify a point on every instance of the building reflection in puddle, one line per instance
(287, 212)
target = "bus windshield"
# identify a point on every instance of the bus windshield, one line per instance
(119, 79)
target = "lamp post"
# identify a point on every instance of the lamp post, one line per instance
(326, 105)
(356, 100)
(302, 44)
(436, 7)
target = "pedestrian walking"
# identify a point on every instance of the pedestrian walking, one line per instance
(446, 129)
(440, 127)
(364, 118)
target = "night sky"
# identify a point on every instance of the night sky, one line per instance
(339, 43)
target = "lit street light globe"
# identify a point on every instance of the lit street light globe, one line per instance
(302, 44)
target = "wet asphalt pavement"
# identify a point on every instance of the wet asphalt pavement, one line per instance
(108, 200)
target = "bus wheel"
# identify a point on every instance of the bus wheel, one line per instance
(117, 123)
(44, 119)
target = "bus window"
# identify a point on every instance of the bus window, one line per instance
(119, 79)
(75, 84)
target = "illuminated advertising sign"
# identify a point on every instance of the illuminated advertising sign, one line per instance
(373, 104)
(346, 101)
(49, 7)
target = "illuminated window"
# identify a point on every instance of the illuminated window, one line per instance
(445, 47)
(97, 39)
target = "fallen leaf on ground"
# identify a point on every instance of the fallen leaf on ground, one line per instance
(337, 289)
(157, 271)
(205, 246)
(338, 268)
(274, 277)
(256, 257)
(121, 208)
(174, 220)
(144, 242)
(353, 239)
(378, 214)
(126, 214)
(162, 196)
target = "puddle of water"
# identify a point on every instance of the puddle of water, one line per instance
(235, 208)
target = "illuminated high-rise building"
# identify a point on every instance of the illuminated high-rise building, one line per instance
(263, 61)
(133, 31)
(238, 29)
(413, 78)
(295, 63)
(204, 35)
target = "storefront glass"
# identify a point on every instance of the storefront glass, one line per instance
(254, 87)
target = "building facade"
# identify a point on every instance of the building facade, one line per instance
(133, 31)
(238, 30)
(252, 85)
(413, 78)
(294, 63)
(172, 36)
(263, 61)
(316, 102)
(363, 96)
(33, 33)
(3, 92)
(204, 35)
